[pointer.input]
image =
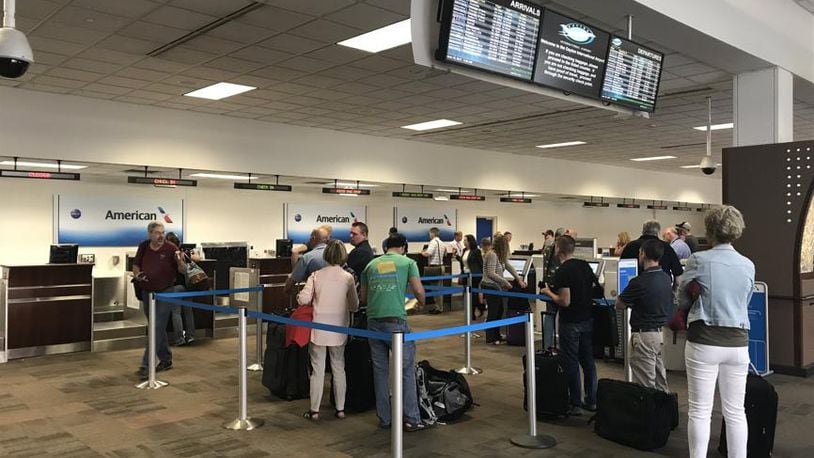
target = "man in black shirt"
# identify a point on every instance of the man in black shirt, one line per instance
(362, 253)
(684, 231)
(669, 261)
(650, 297)
(571, 291)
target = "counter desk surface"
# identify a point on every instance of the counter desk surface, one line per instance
(45, 309)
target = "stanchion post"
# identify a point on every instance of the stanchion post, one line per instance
(243, 422)
(397, 400)
(532, 440)
(626, 344)
(258, 365)
(468, 369)
(151, 383)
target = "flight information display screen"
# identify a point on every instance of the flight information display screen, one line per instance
(495, 35)
(570, 55)
(632, 75)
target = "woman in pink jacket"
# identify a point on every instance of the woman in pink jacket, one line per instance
(332, 292)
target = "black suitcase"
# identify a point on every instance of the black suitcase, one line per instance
(516, 333)
(761, 416)
(633, 415)
(605, 328)
(286, 370)
(359, 395)
(552, 386)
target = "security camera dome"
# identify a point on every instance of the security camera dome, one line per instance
(15, 53)
(708, 166)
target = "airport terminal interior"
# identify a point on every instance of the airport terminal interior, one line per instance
(244, 125)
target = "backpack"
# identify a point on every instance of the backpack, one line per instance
(443, 396)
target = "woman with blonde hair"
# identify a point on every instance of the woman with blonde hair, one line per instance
(716, 288)
(495, 262)
(332, 293)
(621, 240)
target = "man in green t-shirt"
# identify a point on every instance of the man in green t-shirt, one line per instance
(384, 285)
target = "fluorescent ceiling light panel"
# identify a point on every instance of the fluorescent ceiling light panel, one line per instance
(517, 194)
(341, 184)
(223, 177)
(381, 39)
(462, 191)
(219, 91)
(728, 125)
(652, 158)
(437, 124)
(696, 166)
(557, 145)
(44, 165)
(441, 198)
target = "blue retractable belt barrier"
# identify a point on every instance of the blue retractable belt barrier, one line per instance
(495, 292)
(437, 292)
(439, 288)
(441, 277)
(216, 292)
(211, 308)
(322, 326)
(414, 336)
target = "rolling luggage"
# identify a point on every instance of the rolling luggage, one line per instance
(552, 385)
(286, 370)
(606, 333)
(516, 333)
(359, 395)
(633, 415)
(761, 416)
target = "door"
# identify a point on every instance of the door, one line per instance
(484, 227)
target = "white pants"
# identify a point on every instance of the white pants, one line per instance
(317, 378)
(729, 365)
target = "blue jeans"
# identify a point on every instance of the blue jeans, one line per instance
(163, 311)
(577, 350)
(380, 354)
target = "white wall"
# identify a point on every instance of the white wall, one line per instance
(217, 213)
(41, 125)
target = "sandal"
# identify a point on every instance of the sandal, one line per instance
(309, 415)
(340, 414)
(498, 342)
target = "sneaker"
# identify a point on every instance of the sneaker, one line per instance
(142, 373)
(434, 312)
(180, 342)
(589, 407)
(188, 340)
(575, 411)
(384, 425)
(163, 366)
(411, 428)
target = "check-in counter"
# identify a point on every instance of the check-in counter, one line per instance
(273, 274)
(45, 309)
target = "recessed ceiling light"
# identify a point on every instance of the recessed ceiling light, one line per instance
(728, 125)
(652, 158)
(223, 177)
(696, 166)
(437, 124)
(557, 145)
(456, 191)
(381, 39)
(341, 184)
(45, 165)
(220, 91)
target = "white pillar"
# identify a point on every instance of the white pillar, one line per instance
(763, 107)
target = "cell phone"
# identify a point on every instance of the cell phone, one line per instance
(140, 277)
(541, 284)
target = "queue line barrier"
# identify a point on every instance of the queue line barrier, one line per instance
(397, 340)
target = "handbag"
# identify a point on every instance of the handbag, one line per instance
(196, 278)
(678, 322)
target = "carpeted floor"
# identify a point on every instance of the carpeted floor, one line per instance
(86, 405)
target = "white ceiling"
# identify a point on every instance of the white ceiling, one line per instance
(286, 48)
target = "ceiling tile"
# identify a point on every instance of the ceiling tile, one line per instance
(142, 74)
(397, 6)
(169, 89)
(338, 54)
(123, 82)
(365, 17)
(291, 44)
(35, 86)
(89, 19)
(234, 65)
(160, 65)
(151, 32)
(241, 33)
(58, 82)
(78, 75)
(128, 8)
(305, 64)
(107, 89)
(185, 55)
(217, 8)
(378, 64)
(312, 8)
(325, 31)
(277, 73)
(212, 45)
(90, 65)
(208, 73)
(40, 43)
(262, 55)
(150, 95)
(319, 81)
(36, 9)
(330, 94)
(275, 19)
(128, 45)
(178, 18)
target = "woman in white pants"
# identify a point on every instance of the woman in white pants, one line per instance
(716, 287)
(332, 292)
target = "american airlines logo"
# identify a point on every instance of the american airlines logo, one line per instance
(333, 219)
(525, 8)
(432, 220)
(130, 216)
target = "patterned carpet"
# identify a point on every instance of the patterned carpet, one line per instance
(86, 405)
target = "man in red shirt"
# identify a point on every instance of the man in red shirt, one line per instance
(155, 267)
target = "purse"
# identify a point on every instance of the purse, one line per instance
(678, 322)
(196, 278)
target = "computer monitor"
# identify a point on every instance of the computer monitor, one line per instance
(521, 265)
(597, 266)
(628, 268)
(63, 254)
(284, 247)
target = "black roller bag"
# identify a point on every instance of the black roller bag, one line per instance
(552, 385)
(360, 394)
(761, 417)
(286, 370)
(633, 415)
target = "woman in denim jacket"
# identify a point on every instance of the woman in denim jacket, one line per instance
(716, 288)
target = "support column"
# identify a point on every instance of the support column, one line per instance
(763, 107)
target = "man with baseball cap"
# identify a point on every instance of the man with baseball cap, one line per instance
(684, 228)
